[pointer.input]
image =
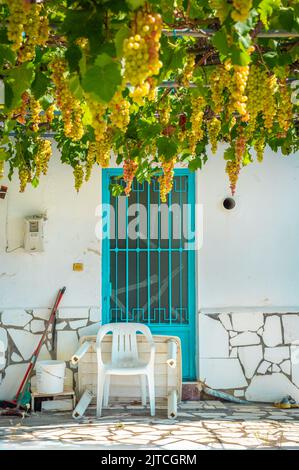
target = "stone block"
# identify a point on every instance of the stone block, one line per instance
(222, 373)
(37, 326)
(291, 328)
(15, 317)
(247, 321)
(250, 357)
(226, 321)
(277, 355)
(272, 335)
(286, 366)
(245, 339)
(271, 388)
(264, 367)
(43, 313)
(24, 341)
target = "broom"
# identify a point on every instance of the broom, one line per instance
(14, 407)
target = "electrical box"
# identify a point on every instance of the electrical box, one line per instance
(34, 234)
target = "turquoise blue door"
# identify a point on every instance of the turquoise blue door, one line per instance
(148, 259)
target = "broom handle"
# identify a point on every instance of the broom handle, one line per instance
(37, 350)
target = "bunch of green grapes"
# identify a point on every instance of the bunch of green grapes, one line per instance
(42, 157)
(269, 104)
(70, 107)
(220, 79)
(24, 177)
(188, 70)
(256, 95)
(130, 167)
(18, 10)
(285, 108)
(238, 96)
(166, 180)
(214, 128)
(35, 110)
(119, 111)
(90, 159)
(164, 110)
(259, 147)
(241, 10)
(103, 149)
(141, 53)
(78, 173)
(36, 31)
(196, 134)
(1, 169)
(99, 123)
(233, 170)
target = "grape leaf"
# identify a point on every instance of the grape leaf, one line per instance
(102, 81)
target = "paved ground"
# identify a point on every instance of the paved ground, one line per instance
(200, 425)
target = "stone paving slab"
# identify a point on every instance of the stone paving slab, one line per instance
(201, 425)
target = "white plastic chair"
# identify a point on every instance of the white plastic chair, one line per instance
(125, 361)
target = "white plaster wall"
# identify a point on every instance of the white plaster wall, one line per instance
(250, 254)
(32, 280)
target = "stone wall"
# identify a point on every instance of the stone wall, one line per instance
(20, 332)
(253, 355)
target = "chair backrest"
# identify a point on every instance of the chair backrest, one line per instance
(124, 339)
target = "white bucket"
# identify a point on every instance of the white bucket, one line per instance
(50, 376)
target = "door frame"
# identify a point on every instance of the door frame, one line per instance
(192, 267)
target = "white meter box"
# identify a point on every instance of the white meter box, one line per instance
(34, 234)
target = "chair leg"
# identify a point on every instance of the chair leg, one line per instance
(142, 379)
(151, 392)
(100, 393)
(106, 390)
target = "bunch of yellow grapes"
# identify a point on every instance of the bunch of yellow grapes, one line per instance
(35, 110)
(220, 79)
(50, 113)
(196, 134)
(164, 111)
(1, 169)
(103, 149)
(166, 180)
(20, 113)
(259, 147)
(130, 168)
(24, 177)
(36, 32)
(18, 10)
(42, 157)
(238, 96)
(285, 108)
(120, 111)
(188, 70)
(256, 95)
(141, 53)
(70, 107)
(269, 104)
(241, 9)
(233, 169)
(78, 173)
(214, 128)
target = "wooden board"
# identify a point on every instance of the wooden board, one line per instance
(128, 387)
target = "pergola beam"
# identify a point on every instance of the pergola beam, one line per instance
(206, 33)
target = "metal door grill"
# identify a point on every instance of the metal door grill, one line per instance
(150, 276)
